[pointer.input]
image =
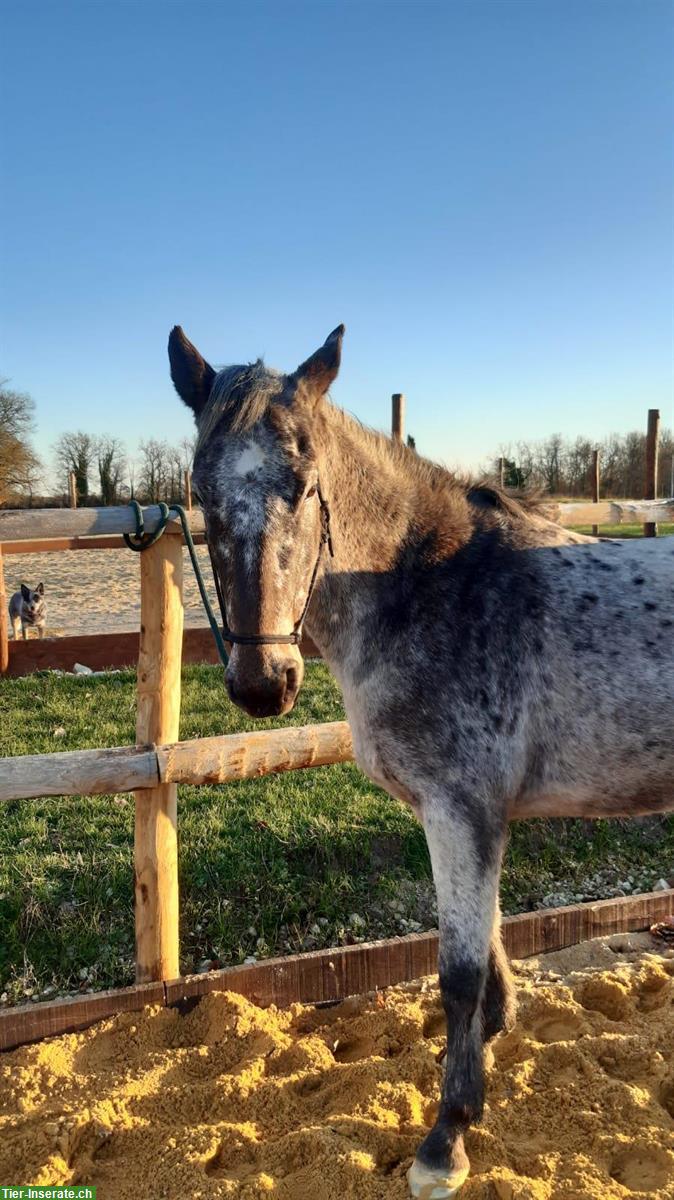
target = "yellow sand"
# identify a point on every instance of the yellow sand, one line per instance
(233, 1100)
(98, 591)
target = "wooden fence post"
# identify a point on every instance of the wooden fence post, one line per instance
(4, 636)
(72, 489)
(652, 441)
(398, 417)
(188, 489)
(595, 485)
(158, 719)
(501, 472)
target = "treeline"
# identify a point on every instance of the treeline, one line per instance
(565, 466)
(104, 471)
(106, 474)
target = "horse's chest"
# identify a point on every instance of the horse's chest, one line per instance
(372, 745)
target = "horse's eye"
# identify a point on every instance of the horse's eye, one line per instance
(311, 492)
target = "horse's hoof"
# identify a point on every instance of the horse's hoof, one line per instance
(426, 1184)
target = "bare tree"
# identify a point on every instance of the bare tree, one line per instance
(75, 452)
(154, 471)
(111, 460)
(187, 447)
(577, 463)
(666, 463)
(19, 465)
(550, 463)
(175, 483)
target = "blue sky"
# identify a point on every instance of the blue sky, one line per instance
(480, 190)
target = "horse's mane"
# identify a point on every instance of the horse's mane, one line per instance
(514, 502)
(243, 395)
(483, 491)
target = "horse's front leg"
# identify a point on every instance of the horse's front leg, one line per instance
(466, 859)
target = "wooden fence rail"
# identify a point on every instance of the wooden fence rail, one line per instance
(225, 759)
(612, 512)
(58, 525)
(19, 524)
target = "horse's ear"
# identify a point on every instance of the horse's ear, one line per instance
(191, 374)
(319, 371)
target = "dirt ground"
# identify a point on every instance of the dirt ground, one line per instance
(306, 1104)
(97, 591)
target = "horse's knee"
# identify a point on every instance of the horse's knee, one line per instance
(461, 984)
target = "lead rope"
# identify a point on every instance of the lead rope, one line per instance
(142, 541)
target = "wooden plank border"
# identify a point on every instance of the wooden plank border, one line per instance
(32, 1022)
(105, 651)
(331, 975)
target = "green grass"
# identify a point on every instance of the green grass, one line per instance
(294, 861)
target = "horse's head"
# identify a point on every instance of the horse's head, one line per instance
(256, 475)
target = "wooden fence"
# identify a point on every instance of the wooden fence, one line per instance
(154, 767)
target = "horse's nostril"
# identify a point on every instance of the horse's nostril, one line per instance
(291, 681)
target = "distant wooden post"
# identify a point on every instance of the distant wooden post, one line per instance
(4, 636)
(72, 489)
(398, 416)
(158, 719)
(652, 444)
(188, 489)
(595, 485)
(501, 472)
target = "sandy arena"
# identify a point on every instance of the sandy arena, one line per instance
(307, 1104)
(98, 591)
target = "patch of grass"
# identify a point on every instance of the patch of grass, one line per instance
(294, 861)
(625, 531)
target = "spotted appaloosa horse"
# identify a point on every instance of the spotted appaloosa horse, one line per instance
(493, 665)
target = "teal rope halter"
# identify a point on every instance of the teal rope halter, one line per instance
(140, 541)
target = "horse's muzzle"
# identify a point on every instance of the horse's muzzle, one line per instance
(266, 697)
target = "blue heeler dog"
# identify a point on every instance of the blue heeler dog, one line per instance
(27, 608)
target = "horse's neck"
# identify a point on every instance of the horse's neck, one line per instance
(379, 504)
(373, 499)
